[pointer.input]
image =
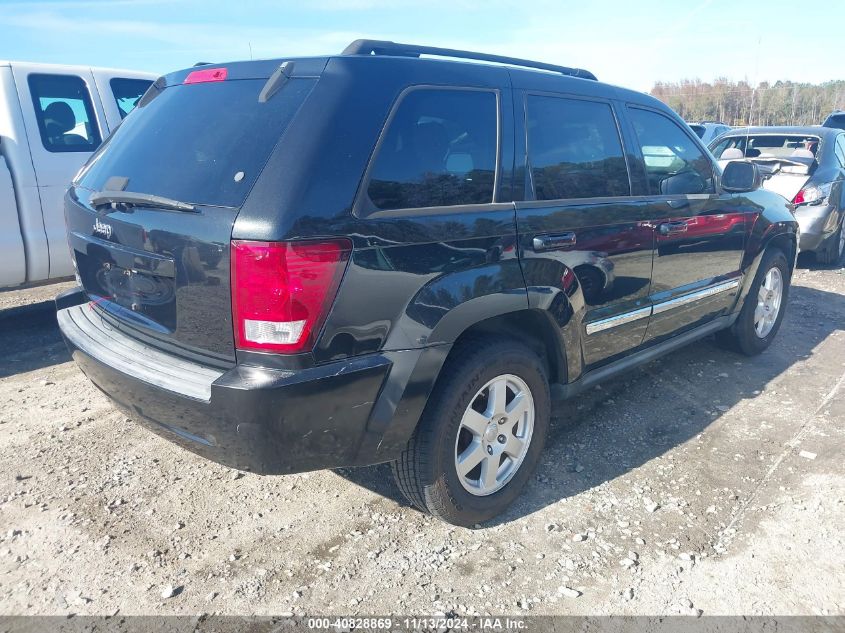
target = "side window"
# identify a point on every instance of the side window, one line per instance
(439, 150)
(840, 149)
(127, 92)
(674, 164)
(64, 112)
(574, 149)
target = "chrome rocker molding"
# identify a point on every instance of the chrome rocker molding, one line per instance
(659, 308)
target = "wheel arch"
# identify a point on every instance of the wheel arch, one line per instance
(781, 235)
(401, 404)
(531, 327)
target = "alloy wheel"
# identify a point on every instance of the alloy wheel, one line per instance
(494, 435)
(769, 300)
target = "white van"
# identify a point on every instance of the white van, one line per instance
(51, 119)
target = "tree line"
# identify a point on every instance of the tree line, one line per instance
(740, 103)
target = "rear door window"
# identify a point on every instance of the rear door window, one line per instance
(202, 143)
(127, 92)
(674, 164)
(574, 149)
(65, 113)
(439, 149)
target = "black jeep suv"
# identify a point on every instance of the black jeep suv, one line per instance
(384, 257)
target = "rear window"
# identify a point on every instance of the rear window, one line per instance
(698, 129)
(769, 145)
(201, 143)
(127, 92)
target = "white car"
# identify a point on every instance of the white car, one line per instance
(52, 118)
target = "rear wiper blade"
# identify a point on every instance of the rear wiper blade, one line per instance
(138, 199)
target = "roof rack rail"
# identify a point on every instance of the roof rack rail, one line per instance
(383, 47)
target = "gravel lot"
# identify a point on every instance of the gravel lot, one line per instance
(703, 482)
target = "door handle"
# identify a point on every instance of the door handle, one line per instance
(672, 228)
(558, 240)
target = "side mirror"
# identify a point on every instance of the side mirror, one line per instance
(740, 176)
(684, 182)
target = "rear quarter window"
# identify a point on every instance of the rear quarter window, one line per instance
(439, 149)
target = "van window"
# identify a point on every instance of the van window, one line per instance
(574, 149)
(64, 113)
(127, 92)
(439, 150)
(673, 162)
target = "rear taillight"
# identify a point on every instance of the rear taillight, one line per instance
(807, 195)
(282, 291)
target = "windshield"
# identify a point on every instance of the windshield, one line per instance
(201, 143)
(769, 145)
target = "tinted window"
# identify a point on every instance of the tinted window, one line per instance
(840, 149)
(699, 130)
(201, 143)
(674, 164)
(836, 120)
(439, 150)
(574, 149)
(127, 92)
(64, 113)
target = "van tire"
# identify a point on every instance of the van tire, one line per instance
(427, 472)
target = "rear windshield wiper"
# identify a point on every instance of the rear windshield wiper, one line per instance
(132, 198)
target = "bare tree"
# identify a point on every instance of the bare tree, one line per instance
(740, 103)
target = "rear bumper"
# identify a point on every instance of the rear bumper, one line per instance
(816, 224)
(261, 420)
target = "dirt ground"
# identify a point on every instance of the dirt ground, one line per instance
(703, 482)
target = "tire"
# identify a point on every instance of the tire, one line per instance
(427, 471)
(831, 251)
(746, 334)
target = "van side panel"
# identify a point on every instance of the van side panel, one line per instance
(18, 161)
(12, 258)
(54, 171)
